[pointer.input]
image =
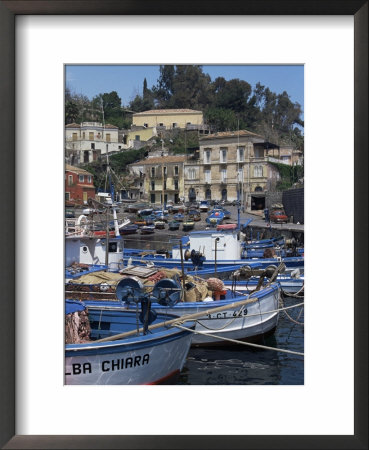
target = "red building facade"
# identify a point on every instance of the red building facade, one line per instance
(79, 186)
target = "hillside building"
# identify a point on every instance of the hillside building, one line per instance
(162, 178)
(79, 185)
(88, 141)
(232, 166)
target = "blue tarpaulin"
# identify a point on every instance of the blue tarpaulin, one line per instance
(72, 306)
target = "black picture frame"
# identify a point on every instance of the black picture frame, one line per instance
(8, 11)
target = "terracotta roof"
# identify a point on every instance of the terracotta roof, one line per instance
(77, 125)
(226, 134)
(167, 111)
(77, 170)
(160, 160)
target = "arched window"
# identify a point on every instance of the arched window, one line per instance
(258, 189)
(208, 194)
(224, 194)
(191, 194)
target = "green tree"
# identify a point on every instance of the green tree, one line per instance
(111, 103)
(71, 112)
(191, 88)
(222, 119)
(182, 86)
(164, 87)
(234, 95)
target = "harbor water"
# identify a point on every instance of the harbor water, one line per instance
(238, 364)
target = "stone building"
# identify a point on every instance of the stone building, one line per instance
(162, 176)
(288, 154)
(231, 166)
(88, 141)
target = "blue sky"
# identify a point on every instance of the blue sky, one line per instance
(127, 80)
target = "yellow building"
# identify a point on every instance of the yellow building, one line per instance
(138, 135)
(169, 119)
(162, 175)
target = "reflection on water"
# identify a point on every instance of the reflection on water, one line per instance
(246, 365)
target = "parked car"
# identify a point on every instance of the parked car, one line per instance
(69, 214)
(278, 216)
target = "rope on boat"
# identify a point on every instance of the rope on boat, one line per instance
(181, 319)
(227, 323)
(234, 341)
(296, 294)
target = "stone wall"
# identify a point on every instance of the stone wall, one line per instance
(273, 197)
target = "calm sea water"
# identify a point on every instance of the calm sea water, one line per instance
(240, 364)
(244, 365)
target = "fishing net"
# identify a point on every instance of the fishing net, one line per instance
(77, 327)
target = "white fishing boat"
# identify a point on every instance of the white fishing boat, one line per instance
(85, 247)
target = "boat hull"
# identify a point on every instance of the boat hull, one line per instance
(245, 323)
(149, 359)
(161, 260)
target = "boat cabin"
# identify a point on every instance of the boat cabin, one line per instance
(225, 245)
(92, 251)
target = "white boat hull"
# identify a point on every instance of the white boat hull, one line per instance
(248, 322)
(145, 359)
(245, 323)
(151, 365)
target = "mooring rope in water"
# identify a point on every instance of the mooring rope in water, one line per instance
(234, 341)
(289, 317)
(296, 294)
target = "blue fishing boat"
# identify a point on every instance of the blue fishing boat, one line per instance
(110, 348)
(188, 225)
(221, 312)
(179, 217)
(159, 224)
(227, 214)
(204, 206)
(209, 249)
(147, 229)
(130, 228)
(194, 215)
(173, 225)
(145, 212)
(215, 218)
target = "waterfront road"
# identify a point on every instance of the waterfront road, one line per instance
(257, 217)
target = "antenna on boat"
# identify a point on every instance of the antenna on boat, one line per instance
(108, 177)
